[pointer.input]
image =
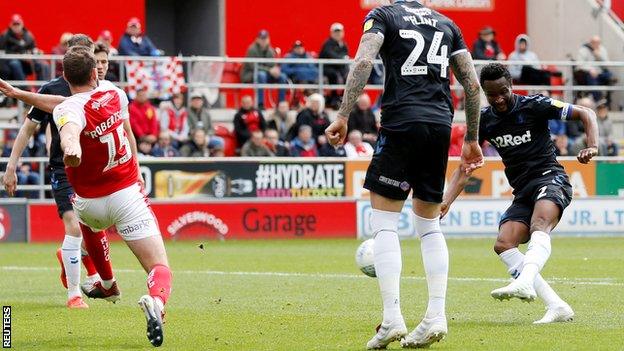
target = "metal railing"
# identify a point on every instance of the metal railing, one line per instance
(566, 67)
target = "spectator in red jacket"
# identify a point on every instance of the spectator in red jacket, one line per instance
(175, 121)
(143, 118)
(247, 120)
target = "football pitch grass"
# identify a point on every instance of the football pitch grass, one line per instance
(308, 295)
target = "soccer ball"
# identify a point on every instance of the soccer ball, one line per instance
(365, 258)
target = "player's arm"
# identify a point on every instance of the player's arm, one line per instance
(21, 141)
(43, 102)
(370, 44)
(463, 68)
(133, 146)
(70, 143)
(456, 186)
(588, 118)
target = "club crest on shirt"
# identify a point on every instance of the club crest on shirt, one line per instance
(102, 101)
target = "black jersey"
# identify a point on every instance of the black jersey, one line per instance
(522, 137)
(56, 86)
(418, 43)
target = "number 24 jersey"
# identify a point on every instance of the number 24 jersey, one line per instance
(418, 43)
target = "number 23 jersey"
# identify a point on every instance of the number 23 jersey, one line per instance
(107, 164)
(418, 43)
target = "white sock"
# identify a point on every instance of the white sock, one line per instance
(436, 263)
(71, 261)
(387, 250)
(514, 260)
(90, 278)
(108, 283)
(93, 278)
(536, 256)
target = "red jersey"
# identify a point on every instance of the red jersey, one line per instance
(107, 163)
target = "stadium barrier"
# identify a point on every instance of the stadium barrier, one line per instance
(246, 198)
(227, 220)
(584, 217)
(288, 177)
(14, 224)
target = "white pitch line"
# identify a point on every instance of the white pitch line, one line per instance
(567, 281)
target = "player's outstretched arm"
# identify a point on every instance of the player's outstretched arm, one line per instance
(70, 143)
(589, 120)
(9, 179)
(370, 44)
(462, 66)
(43, 102)
(455, 187)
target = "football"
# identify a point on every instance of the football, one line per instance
(365, 258)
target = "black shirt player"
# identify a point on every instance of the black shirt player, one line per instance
(517, 126)
(418, 46)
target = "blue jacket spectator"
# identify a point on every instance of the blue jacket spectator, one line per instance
(133, 43)
(300, 72)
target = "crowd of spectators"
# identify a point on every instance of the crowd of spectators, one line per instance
(171, 129)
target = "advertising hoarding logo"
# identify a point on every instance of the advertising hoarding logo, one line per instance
(5, 223)
(300, 180)
(197, 217)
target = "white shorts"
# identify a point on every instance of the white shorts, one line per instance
(127, 209)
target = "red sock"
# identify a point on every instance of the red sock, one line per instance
(159, 282)
(97, 247)
(88, 263)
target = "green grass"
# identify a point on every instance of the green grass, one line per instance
(318, 309)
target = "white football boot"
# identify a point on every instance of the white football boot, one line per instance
(523, 291)
(387, 333)
(429, 331)
(562, 313)
(154, 317)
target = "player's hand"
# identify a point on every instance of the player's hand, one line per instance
(141, 181)
(7, 89)
(444, 208)
(337, 131)
(9, 179)
(72, 156)
(586, 155)
(471, 157)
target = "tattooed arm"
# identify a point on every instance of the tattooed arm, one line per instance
(358, 76)
(472, 157)
(360, 72)
(467, 76)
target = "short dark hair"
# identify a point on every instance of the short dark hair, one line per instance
(494, 71)
(101, 47)
(80, 40)
(78, 63)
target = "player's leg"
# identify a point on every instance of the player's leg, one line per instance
(69, 253)
(428, 170)
(93, 213)
(383, 178)
(150, 251)
(138, 226)
(545, 217)
(99, 250)
(70, 257)
(511, 234)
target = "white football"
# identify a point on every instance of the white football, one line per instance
(364, 258)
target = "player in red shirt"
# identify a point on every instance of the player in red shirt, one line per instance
(94, 127)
